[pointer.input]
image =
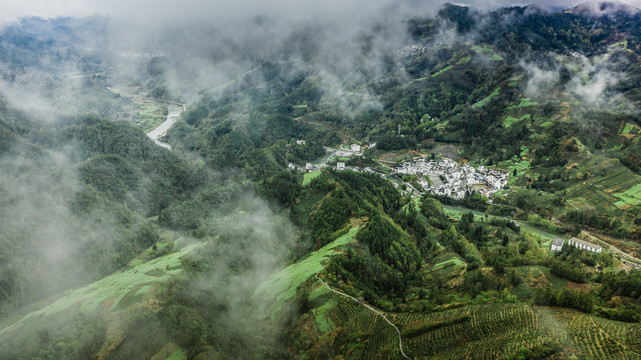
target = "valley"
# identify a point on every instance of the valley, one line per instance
(407, 181)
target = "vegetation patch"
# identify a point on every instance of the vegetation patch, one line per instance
(454, 261)
(483, 48)
(151, 115)
(116, 286)
(323, 321)
(488, 98)
(496, 57)
(630, 129)
(179, 354)
(509, 120)
(464, 60)
(283, 285)
(308, 177)
(441, 71)
(631, 197)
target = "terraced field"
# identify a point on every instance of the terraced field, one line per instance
(491, 331)
(368, 335)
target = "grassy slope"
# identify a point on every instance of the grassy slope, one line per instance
(105, 294)
(283, 285)
(308, 177)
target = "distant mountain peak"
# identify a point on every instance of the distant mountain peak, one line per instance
(604, 8)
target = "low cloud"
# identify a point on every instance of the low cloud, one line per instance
(591, 80)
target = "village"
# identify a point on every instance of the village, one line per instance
(447, 178)
(443, 177)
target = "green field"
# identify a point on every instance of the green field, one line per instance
(631, 197)
(547, 123)
(524, 151)
(454, 261)
(106, 294)
(525, 102)
(509, 120)
(442, 71)
(283, 285)
(464, 60)
(630, 129)
(151, 114)
(510, 165)
(308, 177)
(484, 48)
(497, 57)
(487, 99)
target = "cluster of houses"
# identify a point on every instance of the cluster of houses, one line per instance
(412, 50)
(557, 244)
(451, 180)
(351, 150)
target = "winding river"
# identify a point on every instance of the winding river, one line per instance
(173, 114)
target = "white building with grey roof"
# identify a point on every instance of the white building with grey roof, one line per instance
(557, 244)
(584, 245)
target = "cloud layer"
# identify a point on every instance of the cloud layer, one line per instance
(149, 11)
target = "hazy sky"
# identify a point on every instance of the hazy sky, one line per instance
(155, 10)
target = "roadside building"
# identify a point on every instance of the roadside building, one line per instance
(340, 165)
(584, 245)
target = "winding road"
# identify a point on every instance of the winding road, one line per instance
(400, 339)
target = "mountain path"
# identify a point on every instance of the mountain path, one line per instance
(400, 340)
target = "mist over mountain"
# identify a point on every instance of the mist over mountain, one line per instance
(331, 180)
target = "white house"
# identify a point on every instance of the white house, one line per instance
(356, 148)
(340, 166)
(557, 244)
(309, 167)
(584, 245)
(300, 142)
(291, 166)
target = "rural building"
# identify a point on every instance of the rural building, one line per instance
(584, 245)
(300, 142)
(340, 165)
(309, 167)
(557, 244)
(356, 148)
